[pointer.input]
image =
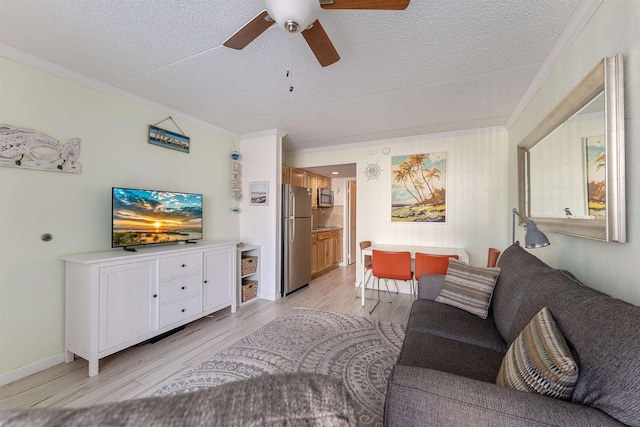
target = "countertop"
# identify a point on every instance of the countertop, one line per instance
(317, 229)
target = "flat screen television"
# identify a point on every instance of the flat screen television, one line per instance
(145, 217)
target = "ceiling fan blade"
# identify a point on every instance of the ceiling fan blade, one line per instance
(366, 4)
(245, 35)
(320, 44)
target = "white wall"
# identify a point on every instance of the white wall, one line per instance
(612, 268)
(261, 158)
(76, 208)
(476, 190)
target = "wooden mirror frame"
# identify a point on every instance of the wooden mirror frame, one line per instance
(607, 76)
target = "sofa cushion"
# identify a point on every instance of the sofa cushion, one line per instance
(430, 285)
(450, 322)
(517, 268)
(603, 333)
(539, 360)
(425, 350)
(424, 397)
(300, 399)
(469, 288)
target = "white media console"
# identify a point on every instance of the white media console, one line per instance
(116, 299)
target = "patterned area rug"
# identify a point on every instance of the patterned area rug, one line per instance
(357, 350)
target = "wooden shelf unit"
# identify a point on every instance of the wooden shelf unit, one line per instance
(253, 276)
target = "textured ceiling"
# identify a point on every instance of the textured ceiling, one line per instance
(439, 65)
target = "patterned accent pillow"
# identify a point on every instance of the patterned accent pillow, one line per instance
(539, 360)
(469, 288)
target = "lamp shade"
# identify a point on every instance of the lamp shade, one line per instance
(534, 238)
(293, 15)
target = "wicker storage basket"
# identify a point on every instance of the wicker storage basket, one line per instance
(249, 289)
(249, 265)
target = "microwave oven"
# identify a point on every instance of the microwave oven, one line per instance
(325, 198)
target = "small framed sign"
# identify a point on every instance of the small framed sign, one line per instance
(167, 139)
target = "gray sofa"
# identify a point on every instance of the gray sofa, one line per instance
(447, 369)
(297, 399)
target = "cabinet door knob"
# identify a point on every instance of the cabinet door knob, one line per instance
(155, 295)
(184, 265)
(183, 310)
(183, 288)
(205, 281)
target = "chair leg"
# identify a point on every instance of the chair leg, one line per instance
(372, 289)
(364, 283)
(386, 283)
(396, 285)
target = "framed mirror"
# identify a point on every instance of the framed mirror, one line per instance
(571, 167)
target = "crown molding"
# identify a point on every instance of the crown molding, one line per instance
(75, 77)
(413, 138)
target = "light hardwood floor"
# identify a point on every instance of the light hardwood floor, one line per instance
(134, 371)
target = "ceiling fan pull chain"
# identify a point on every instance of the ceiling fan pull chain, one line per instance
(289, 55)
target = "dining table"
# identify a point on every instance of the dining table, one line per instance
(432, 250)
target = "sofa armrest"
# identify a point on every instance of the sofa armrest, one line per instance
(430, 285)
(424, 397)
(303, 399)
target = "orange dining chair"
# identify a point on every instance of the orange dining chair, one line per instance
(432, 264)
(390, 265)
(492, 259)
(367, 266)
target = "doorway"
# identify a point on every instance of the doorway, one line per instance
(343, 181)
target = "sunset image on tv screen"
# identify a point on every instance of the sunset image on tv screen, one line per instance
(142, 217)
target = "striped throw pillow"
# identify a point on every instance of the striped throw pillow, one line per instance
(539, 360)
(469, 288)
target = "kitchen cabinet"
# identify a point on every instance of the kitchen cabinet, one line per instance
(286, 174)
(116, 299)
(324, 182)
(326, 250)
(337, 248)
(324, 243)
(314, 253)
(311, 181)
(297, 177)
(304, 178)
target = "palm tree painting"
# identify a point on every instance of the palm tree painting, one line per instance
(418, 188)
(596, 176)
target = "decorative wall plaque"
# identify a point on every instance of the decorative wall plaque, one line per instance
(31, 149)
(372, 171)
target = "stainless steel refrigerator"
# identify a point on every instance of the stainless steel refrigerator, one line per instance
(296, 237)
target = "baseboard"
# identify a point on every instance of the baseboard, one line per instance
(269, 296)
(25, 371)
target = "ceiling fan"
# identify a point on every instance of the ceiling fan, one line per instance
(301, 16)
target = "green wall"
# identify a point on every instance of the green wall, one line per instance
(76, 208)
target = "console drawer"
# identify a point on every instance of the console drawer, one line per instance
(180, 310)
(180, 265)
(182, 287)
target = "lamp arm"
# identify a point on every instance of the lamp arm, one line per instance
(519, 216)
(513, 224)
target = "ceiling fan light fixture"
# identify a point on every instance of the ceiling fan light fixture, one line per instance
(293, 15)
